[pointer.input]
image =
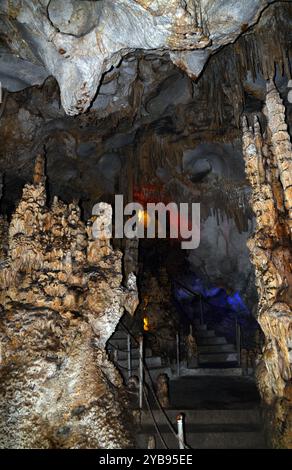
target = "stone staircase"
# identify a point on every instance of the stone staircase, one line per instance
(117, 347)
(220, 412)
(205, 429)
(215, 355)
(214, 351)
(221, 407)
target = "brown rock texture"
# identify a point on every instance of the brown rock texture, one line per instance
(161, 317)
(3, 238)
(268, 159)
(61, 298)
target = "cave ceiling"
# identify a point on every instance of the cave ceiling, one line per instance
(79, 41)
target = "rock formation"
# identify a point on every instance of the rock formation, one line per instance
(191, 346)
(162, 390)
(268, 157)
(164, 84)
(158, 311)
(149, 120)
(61, 298)
(77, 42)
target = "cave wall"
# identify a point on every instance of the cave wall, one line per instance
(62, 294)
(268, 156)
(151, 123)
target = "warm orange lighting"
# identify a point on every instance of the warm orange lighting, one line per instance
(145, 324)
(143, 217)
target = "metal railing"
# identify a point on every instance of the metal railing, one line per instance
(238, 341)
(237, 332)
(143, 391)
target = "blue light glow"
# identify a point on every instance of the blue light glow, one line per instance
(220, 309)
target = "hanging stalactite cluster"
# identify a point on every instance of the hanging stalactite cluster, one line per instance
(230, 199)
(255, 54)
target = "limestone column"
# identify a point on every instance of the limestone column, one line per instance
(268, 164)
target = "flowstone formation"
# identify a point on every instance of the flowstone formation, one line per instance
(158, 313)
(268, 159)
(61, 298)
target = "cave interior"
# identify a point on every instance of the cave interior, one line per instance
(105, 339)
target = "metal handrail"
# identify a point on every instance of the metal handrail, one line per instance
(238, 341)
(144, 368)
(201, 296)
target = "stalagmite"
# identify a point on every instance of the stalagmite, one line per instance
(60, 305)
(162, 390)
(191, 347)
(268, 159)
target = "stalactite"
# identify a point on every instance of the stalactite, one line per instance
(271, 254)
(281, 146)
(230, 198)
(256, 52)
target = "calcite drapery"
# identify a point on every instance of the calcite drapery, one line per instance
(269, 169)
(60, 302)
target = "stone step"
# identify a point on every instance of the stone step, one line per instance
(205, 334)
(214, 358)
(210, 341)
(118, 343)
(154, 361)
(134, 353)
(202, 327)
(204, 439)
(217, 348)
(209, 371)
(204, 417)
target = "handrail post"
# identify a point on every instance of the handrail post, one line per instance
(129, 355)
(180, 431)
(177, 355)
(201, 311)
(238, 341)
(141, 370)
